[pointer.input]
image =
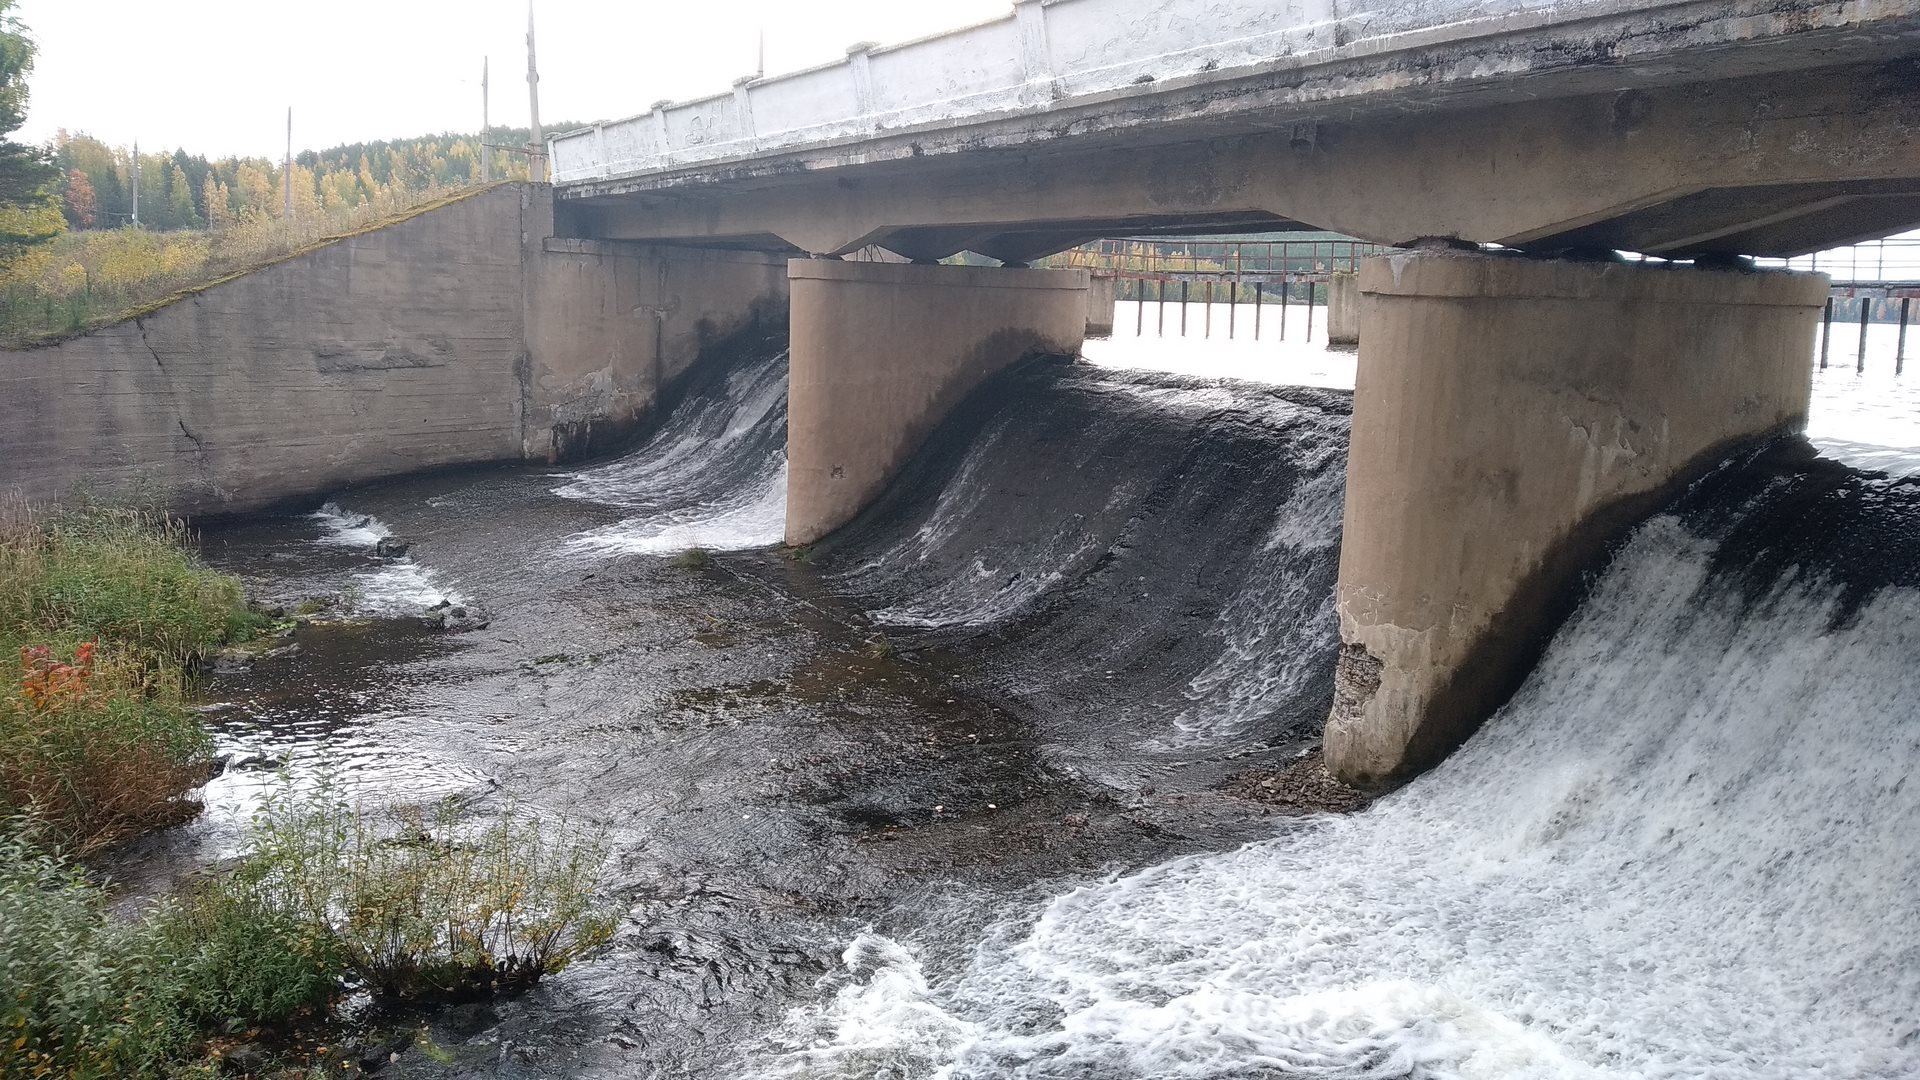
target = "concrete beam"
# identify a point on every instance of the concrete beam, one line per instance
(1512, 418)
(881, 352)
(1551, 173)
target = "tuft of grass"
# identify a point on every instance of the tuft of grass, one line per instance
(418, 907)
(694, 558)
(881, 647)
(800, 553)
(101, 610)
(120, 575)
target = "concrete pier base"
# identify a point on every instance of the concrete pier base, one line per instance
(1102, 290)
(881, 352)
(1512, 418)
(1343, 310)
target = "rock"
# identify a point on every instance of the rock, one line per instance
(231, 662)
(463, 1022)
(390, 547)
(247, 1058)
(377, 1052)
(462, 620)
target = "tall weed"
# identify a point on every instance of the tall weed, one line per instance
(419, 907)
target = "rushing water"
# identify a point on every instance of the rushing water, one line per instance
(713, 475)
(1683, 849)
(1150, 555)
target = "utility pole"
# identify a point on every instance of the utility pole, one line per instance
(486, 125)
(286, 171)
(537, 153)
(136, 183)
(760, 67)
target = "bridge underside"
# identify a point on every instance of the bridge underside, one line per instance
(1512, 414)
(1764, 165)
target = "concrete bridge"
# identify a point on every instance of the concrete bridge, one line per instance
(1514, 413)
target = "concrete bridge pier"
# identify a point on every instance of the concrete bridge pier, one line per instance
(881, 352)
(1102, 291)
(1512, 418)
(1343, 309)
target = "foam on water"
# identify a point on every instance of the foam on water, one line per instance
(398, 586)
(1685, 849)
(713, 476)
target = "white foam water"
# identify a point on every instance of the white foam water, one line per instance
(398, 586)
(1685, 849)
(714, 476)
(1273, 631)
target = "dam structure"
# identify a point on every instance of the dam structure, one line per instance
(1523, 396)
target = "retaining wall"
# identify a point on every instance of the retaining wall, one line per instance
(455, 336)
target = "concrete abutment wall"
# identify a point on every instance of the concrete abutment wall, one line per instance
(1343, 309)
(1512, 417)
(459, 335)
(881, 352)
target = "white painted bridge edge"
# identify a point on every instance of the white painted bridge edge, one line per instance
(1045, 54)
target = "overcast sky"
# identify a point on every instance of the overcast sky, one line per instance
(216, 76)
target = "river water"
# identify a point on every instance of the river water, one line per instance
(946, 798)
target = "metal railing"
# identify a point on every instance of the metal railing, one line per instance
(1237, 273)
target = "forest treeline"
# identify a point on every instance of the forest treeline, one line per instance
(179, 190)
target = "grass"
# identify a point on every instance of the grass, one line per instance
(121, 576)
(694, 558)
(83, 280)
(101, 611)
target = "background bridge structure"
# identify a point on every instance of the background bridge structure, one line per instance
(1514, 411)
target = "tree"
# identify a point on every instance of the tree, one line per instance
(180, 202)
(81, 205)
(215, 197)
(27, 173)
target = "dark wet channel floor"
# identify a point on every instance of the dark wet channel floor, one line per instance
(770, 782)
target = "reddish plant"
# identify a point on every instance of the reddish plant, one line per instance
(48, 683)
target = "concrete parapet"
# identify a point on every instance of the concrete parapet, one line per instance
(1102, 288)
(882, 351)
(1511, 418)
(1343, 309)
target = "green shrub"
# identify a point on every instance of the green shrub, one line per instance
(419, 908)
(85, 996)
(230, 961)
(74, 998)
